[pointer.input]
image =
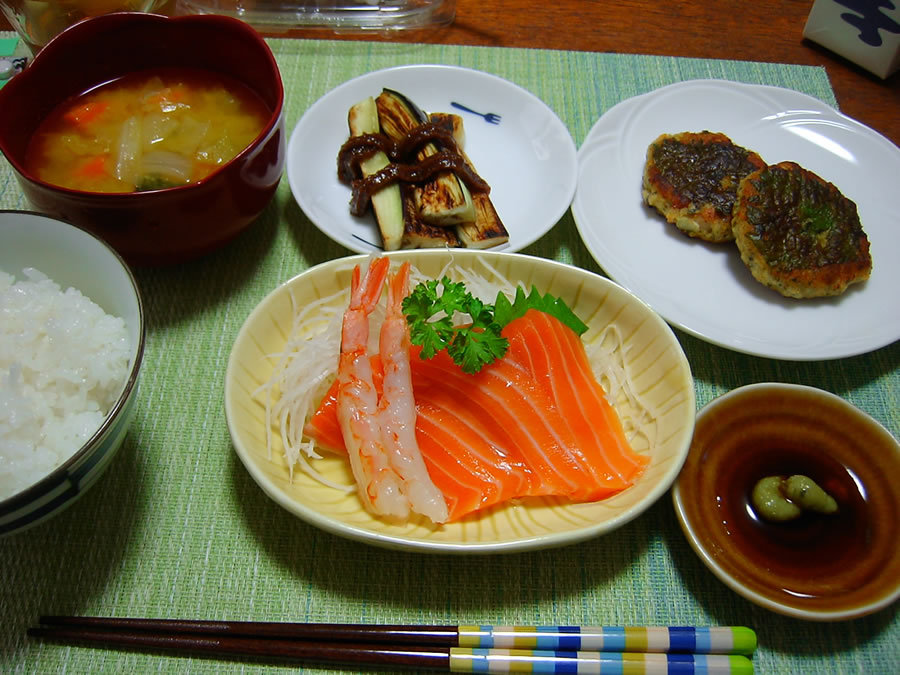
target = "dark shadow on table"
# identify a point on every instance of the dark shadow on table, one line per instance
(58, 566)
(175, 293)
(313, 245)
(563, 242)
(724, 369)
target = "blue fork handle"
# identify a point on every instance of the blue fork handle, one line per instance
(462, 107)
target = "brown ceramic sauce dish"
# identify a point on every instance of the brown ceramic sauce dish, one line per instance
(816, 567)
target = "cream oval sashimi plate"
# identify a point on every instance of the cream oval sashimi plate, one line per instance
(619, 323)
(530, 152)
(705, 289)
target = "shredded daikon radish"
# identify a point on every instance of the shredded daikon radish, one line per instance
(606, 354)
(487, 287)
(302, 373)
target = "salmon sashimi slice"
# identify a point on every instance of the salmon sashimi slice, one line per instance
(534, 423)
(323, 427)
(593, 452)
(470, 457)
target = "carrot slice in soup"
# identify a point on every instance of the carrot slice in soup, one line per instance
(95, 167)
(86, 113)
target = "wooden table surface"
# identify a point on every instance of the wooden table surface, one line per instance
(764, 30)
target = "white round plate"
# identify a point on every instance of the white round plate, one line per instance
(529, 158)
(661, 380)
(705, 289)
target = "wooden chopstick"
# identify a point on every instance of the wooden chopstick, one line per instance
(453, 648)
(660, 639)
(332, 632)
(421, 656)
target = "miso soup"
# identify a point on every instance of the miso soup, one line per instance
(146, 131)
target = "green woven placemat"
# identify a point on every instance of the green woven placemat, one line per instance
(177, 528)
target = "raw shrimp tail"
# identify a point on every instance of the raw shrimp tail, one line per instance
(357, 400)
(397, 407)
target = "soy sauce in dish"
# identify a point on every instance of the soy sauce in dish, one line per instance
(807, 555)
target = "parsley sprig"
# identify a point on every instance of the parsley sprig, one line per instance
(433, 306)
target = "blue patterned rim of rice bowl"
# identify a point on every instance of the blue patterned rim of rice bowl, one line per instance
(71, 479)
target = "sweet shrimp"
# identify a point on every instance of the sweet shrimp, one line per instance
(357, 400)
(397, 407)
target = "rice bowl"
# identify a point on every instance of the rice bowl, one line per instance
(63, 415)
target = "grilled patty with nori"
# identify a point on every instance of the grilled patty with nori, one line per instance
(692, 178)
(798, 234)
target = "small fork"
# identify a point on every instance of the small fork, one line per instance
(490, 118)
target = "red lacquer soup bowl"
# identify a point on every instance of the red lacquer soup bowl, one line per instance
(160, 226)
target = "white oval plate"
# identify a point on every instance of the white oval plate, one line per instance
(661, 377)
(705, 289)
(529, 159)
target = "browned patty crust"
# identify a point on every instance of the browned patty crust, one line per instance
(798, 234)
(692, 178)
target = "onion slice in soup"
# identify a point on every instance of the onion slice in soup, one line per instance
(128, 157)
(169, 165)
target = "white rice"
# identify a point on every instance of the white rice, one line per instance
(63, 363)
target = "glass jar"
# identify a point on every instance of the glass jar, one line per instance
(337, 15)
(37, 21)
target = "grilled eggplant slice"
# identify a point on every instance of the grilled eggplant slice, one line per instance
(486, 229)
(444, 200)
(387, 203)
(419, 234)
